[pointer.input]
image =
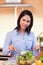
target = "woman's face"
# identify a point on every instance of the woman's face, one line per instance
(25, 22)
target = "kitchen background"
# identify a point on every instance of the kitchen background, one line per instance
(9, 15)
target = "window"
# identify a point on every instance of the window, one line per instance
(13, 1)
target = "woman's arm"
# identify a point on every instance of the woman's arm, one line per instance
(35, 47)
(7, 43)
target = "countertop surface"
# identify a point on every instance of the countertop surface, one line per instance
(8, 63)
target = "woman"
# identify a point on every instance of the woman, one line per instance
(21, 38)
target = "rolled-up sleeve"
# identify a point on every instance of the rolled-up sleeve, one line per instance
(6, 44)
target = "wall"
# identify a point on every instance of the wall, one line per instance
(38, 5)
(7, 18)
(7, 23)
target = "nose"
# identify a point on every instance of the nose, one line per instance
(26, 23)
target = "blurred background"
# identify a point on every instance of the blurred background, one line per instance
(9, 15)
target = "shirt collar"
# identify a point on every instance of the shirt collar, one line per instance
(17, 32)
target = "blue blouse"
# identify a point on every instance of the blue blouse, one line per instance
(21, 42)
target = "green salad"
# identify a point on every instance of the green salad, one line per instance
(41, 58)
(26, 58)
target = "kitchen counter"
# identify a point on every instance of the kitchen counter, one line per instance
(7, 63)
(4, 57)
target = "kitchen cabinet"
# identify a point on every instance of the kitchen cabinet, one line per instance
(15, 8)
(15, 5)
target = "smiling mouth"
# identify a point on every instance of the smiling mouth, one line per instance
(25, 26)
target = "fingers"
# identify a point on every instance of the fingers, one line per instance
(14, 48)
(36, 47)
(11, 47)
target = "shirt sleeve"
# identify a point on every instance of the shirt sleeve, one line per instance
(35, 53)
(7, 43)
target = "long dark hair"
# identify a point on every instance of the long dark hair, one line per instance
(23, 13)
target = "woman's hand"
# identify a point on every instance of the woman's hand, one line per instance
(36, 47)
(12, 48)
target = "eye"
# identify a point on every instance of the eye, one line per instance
(28, 21)
(23, 19)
